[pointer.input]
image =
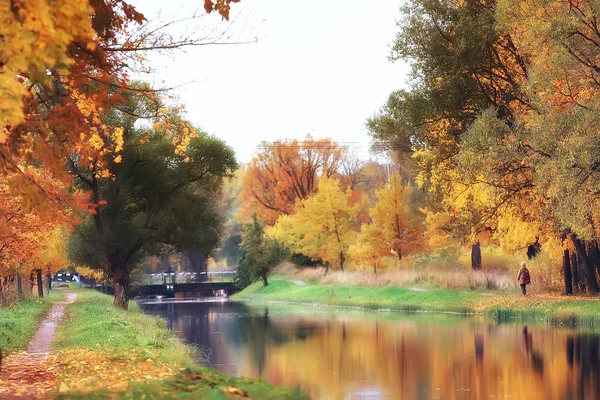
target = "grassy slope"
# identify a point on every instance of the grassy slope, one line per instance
(19, 322)
(557, 310)
(105, 352)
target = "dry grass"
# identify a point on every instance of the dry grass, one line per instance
(446, 271)
(445, 279)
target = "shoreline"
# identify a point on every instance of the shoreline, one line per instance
(552, 310)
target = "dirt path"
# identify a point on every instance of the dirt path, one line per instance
(31, 374)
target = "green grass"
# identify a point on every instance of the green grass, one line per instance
(94, 327)
(19, 321)
(93, 323)
(503, 307)
(391, 297)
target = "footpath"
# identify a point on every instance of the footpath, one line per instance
(28, 375)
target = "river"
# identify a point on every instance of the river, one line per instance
(332, 353)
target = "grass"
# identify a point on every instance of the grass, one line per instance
(93, 323)
(19, 321)
(554, 310)
(105, 352)
(391, 297)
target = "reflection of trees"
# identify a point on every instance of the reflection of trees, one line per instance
(583, 360)
(333, 357)
(258, 333)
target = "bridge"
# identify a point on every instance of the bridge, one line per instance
(187, 284)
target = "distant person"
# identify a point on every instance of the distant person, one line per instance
(523, 277)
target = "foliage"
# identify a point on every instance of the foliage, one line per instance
(259, 254)
(30, 238)
(286, 172)
(160, 191)
(323, 227)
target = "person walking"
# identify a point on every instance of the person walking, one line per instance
(523, 277)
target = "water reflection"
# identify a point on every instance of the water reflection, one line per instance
(361, 356)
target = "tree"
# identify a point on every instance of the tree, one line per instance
(161, 190)
(323, 226)
(30, 238)
(398, 225)
(286, 172)
(463, 66)
(62, 64)
(259, 254)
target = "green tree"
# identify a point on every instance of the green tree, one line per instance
(161, 193)
(259, 254)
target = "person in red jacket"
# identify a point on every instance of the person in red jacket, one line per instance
(523, 277)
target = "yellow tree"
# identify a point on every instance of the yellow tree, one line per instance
(400, 228)
(369, 248)
(323, 227)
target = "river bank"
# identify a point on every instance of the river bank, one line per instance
(554, 310)
(104, 352)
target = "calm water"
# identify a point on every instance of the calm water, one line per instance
(352, 355)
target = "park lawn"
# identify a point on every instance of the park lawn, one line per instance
(105, 352)
(20, 321)
(554, 309)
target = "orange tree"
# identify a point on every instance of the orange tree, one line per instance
(62, 64)
(285, 172)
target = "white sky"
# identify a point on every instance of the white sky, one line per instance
(319, 67)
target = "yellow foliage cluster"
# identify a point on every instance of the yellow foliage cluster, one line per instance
(35, 36)
(326, 227)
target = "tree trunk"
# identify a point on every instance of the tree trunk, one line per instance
(40, 283)
(121, 284)
(588, 268)
(575, 273)
(197, 263)
(49, 278)
(342, 261)
(264, 279)
(594, 253)
(476, 256)
(567, 272)
(18, 286)
(375, 268)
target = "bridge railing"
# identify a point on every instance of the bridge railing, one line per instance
(172, 277)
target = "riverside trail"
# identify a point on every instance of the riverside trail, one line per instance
(31, 374)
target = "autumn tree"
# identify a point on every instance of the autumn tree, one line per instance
(323, 226)
(463, 65)
(63, 64)
(396, 219)
(259, 254)
(285, 172)
(161, 190)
